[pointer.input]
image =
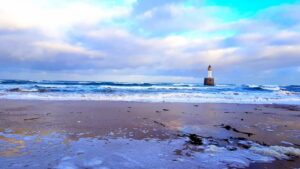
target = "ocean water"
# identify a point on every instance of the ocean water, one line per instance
(149, 92)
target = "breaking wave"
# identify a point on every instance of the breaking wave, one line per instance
(153, 92)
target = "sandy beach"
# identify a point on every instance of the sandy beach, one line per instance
(111, 134)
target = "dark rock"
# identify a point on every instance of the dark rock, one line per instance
(238, 138)
(231, 148)
(195, 140)
(228, 127)
(244, 145)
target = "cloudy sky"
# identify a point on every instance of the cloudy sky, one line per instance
(151, 40)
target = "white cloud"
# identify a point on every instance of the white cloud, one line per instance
(78, 36)
(177, 17)
(60, 47)
(54, 18)
(281, 51)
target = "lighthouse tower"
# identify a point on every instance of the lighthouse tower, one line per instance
(209, 80)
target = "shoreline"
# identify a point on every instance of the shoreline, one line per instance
(155, 124)
(154, 102)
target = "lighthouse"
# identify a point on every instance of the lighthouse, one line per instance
(209, 80)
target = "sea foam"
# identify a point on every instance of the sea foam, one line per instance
(149, 92)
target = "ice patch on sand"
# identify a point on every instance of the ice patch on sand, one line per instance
(214, 149)
(66, 165)
(278, 152)
(126, 153)
(93, 162)
(287, 143)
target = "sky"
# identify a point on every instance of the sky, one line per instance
(253, 42)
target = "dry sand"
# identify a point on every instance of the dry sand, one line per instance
(266, 125)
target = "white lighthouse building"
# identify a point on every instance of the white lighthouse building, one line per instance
(209, 80)
(209, 72)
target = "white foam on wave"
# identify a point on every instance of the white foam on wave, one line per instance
(264, 87)
(221, 97)
(270, 87)
(252, 85)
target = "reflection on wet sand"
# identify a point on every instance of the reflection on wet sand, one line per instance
(12, 147)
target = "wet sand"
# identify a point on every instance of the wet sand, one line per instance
(221, 125)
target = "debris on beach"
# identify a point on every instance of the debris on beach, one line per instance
(269, 113)
(34, 118)
(159, 123)
(228, 127)
(228, 112)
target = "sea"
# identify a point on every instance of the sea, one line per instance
(149, 92)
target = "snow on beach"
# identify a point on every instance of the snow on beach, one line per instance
(107, 152)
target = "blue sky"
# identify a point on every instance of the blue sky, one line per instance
(151, 41)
